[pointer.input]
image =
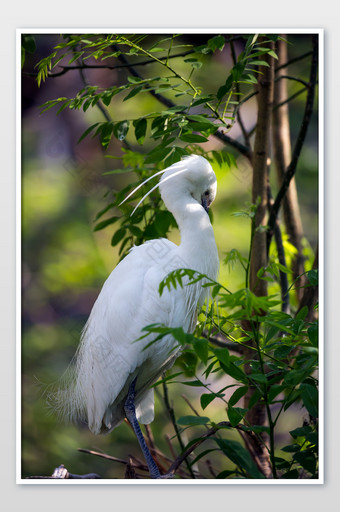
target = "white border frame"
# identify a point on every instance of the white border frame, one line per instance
(321, 158)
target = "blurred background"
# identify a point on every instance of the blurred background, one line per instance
(65, 262)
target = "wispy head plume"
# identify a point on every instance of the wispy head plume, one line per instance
(153, 188)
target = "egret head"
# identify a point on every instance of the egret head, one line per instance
(194, 176)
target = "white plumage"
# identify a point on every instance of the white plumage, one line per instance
(109, 358)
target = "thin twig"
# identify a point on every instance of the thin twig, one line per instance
(103, 455)
(174, 423)
(99, 103)
(211, 469)
(238, 114)
(294, 60)
(186, 399)
(220, 340)
(171, 446)
(162, 99)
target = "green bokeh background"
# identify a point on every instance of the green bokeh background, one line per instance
(65, 262)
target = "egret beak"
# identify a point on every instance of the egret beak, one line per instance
(205, 203)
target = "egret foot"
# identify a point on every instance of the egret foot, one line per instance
(130, 411)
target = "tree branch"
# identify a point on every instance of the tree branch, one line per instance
(244, 150)
(222, 424)
(62, 473)
(299, 143)
(294, 60)
(258, 414)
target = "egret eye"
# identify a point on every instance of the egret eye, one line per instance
(206, 193)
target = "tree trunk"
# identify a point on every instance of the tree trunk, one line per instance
(257, 414)
(282, 158)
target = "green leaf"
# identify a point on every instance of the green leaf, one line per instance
(313, 333)
(294, 377)
(234, 371)
(200, 346)
(193, 383)
(206, 399)
(236, 415)
(202, 454)
(293, 474)
(193, 420)
(106, 130)
(201, 99)
(216, 43)
(251, 41)
(312, 276)
(301, 315)
(75, 56)
(307, 460)
(163, 221)
(140, 129)
(313, 438)
(133, 92)
(157, 156)
(224, 89)
(282, 351)
(309, 395)
(28, 43)
(274, 391)
(106, 222)
(273, 54)
(300, 431)
(259, 63)
(254, 398)
(258, 377)
(291, 448)
(196, 64)
(86, 132)
(152, 50)
(239, 456)
(222, 355)
(238, 394)
(192, 137)
(175, 156)
(118, 236)
(135, 231)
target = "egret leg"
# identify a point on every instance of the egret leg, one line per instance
(130, 412)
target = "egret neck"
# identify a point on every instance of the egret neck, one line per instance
(198, 247)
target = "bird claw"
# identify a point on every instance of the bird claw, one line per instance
(167, 475)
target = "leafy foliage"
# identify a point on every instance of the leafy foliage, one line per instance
(281, 370)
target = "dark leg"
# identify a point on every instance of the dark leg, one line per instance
(130, 412)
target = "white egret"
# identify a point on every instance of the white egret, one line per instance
(112, 374)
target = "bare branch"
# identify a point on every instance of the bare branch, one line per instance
(174, 423)
(62, 473)
(293, 61)
(299, 143)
